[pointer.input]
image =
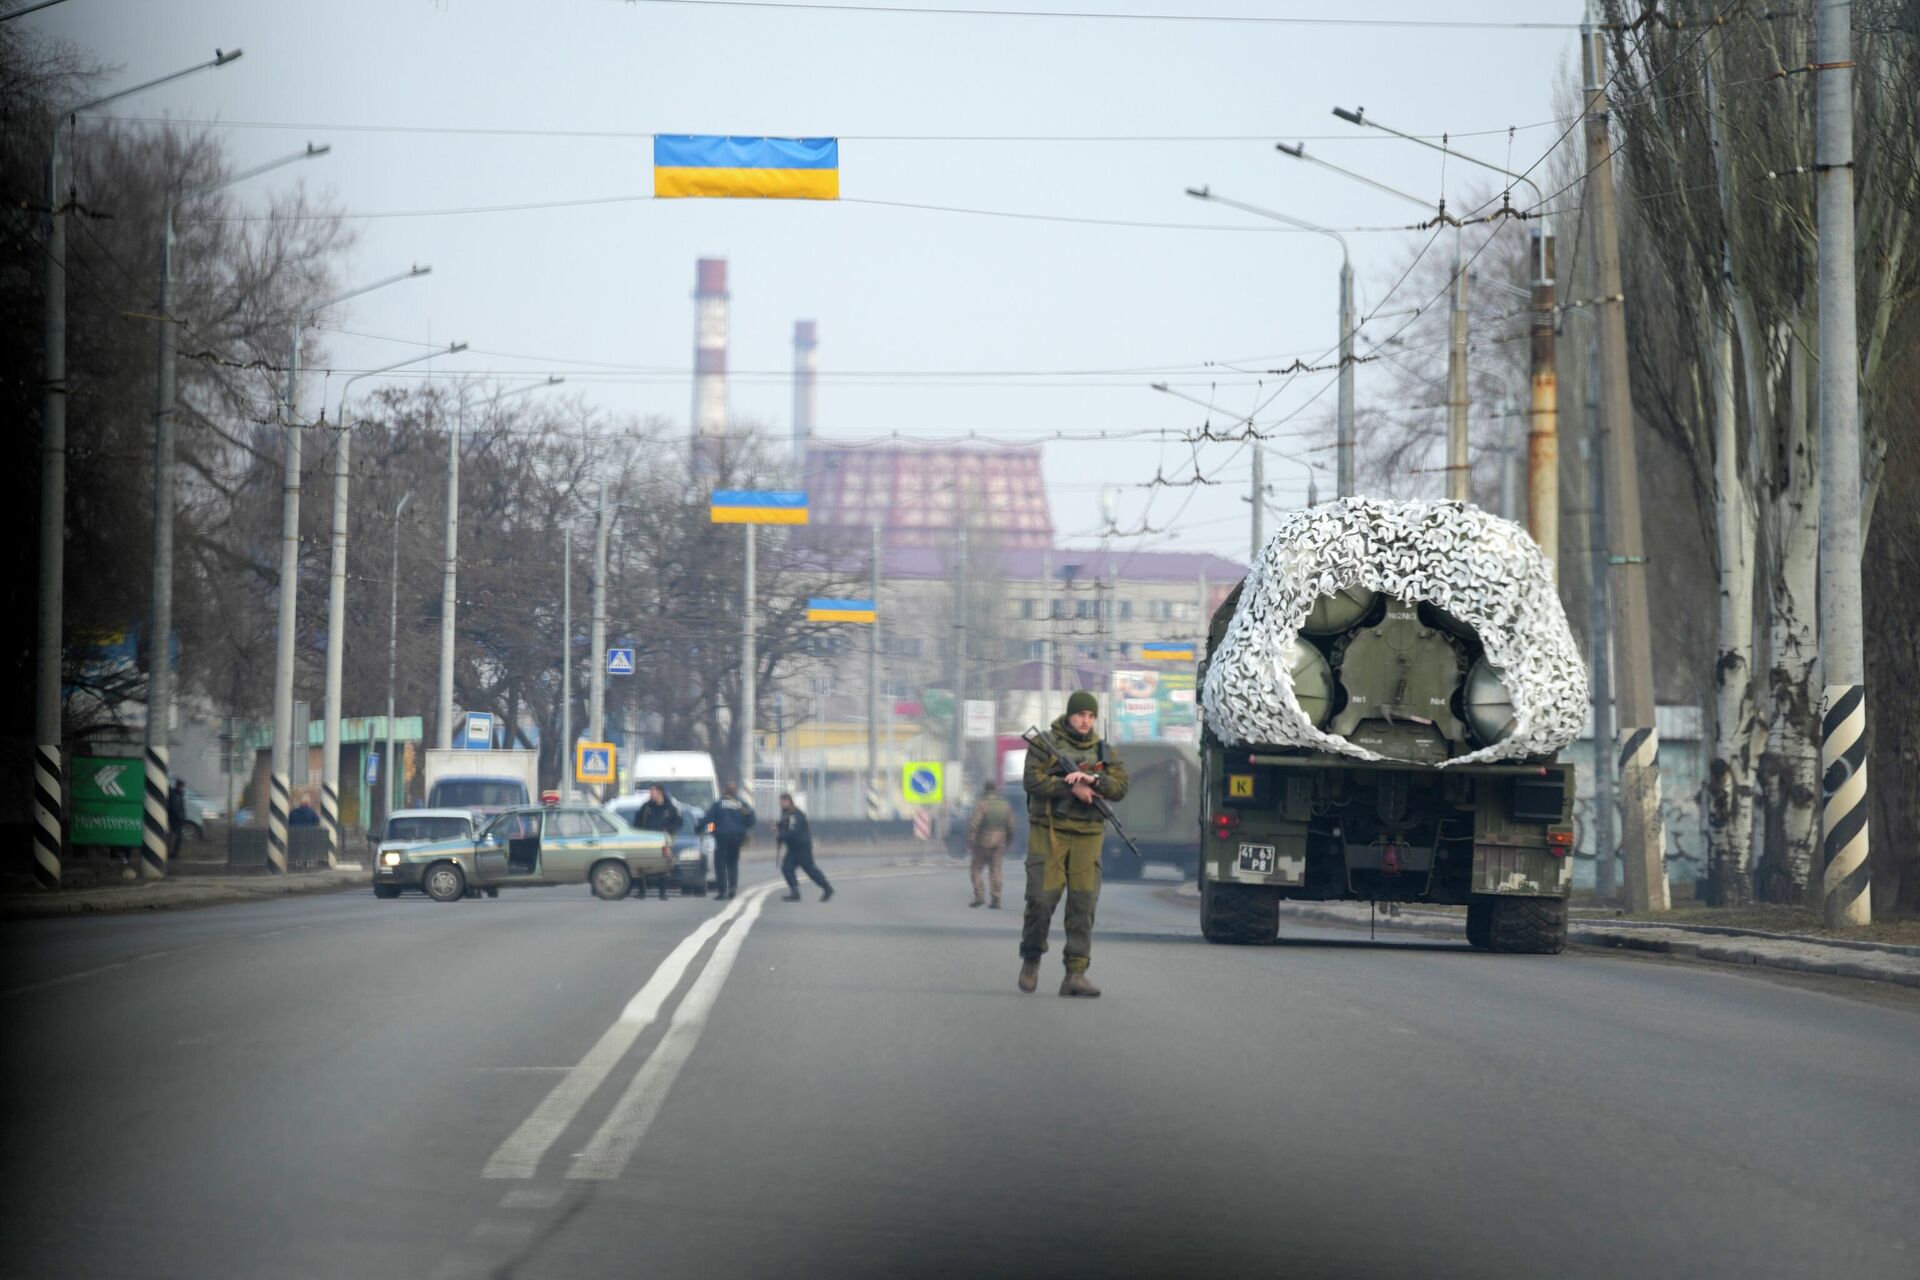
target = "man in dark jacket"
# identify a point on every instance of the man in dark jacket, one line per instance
(796, 837)
(730, 821)
(1064, 832)
(659, 813)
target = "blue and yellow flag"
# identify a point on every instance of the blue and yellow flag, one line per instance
(1163, 652)
(758, 506)
(824, 610)
(697, 164)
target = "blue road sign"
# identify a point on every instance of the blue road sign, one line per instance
(373, 767)
(619, 662)
(479, 732)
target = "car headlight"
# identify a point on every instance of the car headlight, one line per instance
(390, 858)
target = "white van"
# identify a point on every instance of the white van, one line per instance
(688, 776)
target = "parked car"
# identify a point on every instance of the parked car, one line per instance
(692, 847)
(410, 828)
(531, 845)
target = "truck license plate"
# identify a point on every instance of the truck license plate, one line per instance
(1257, 858)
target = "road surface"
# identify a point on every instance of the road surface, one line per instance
(551, 1086)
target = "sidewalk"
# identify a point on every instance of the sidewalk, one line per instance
(176, 892)
(1837, 957)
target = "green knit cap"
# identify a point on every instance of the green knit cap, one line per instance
(1080, 701)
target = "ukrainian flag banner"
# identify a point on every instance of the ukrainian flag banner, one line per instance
(1166, 652)
(759, 506)
(819, 610)
(695, 164)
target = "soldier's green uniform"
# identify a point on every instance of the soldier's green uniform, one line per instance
(1063, 839)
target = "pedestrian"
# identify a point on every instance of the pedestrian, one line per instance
(796, 837)
(729, 821)
(1063, 842)
(303, 815)
(659, 813)
(989, 831)
(176, 818)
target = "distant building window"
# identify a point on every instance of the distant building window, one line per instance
(1126, 611)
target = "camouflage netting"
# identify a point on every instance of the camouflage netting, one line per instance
(1483, 570)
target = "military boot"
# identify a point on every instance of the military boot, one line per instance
(1076, 984)
(1029, 975)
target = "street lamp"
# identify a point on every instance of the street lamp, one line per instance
(390, 769)
(444, 729)
(1345, 438)
(337, 605)
(279, 785)
(160, 628)
(48, 822)
(1543, 434)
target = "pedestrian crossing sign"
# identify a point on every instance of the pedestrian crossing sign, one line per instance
(593, 763)
(619, 662)
(923, 782)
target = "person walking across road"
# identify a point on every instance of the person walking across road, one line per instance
(796, 839)
(1064, 833)
(989, 831)
(730, 821)
(659, 813)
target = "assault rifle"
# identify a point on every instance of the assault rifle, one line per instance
(1037, 741)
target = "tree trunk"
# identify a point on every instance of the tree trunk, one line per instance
(1730, 772)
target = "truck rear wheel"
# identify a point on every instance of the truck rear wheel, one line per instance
(1120, 864)
(1526, 926)
(1238, 914)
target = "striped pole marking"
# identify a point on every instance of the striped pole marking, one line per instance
(873, 801)
(153, 834)
(277, 809)
(1647, 887)
(1843, 812)
(48, 817)
(330, 819)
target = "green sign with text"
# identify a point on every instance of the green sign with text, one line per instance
(108, 799)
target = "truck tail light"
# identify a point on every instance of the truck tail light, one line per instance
(1224, 825)
(1559, 843)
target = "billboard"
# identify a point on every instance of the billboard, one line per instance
(1153, 706)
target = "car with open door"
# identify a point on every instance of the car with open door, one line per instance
(536, 846)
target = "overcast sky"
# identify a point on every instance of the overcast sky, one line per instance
(932, 324)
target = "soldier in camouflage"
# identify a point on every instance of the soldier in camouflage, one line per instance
(1063, 844)
(989, 831)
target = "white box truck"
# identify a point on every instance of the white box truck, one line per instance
(480, 781)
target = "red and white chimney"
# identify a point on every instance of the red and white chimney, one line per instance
(805, 339)
(710, 351)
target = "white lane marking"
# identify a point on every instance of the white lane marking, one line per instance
(532, 1198)
(616, 1140)
(519, 1156)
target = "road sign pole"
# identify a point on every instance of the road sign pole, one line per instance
(747, 662)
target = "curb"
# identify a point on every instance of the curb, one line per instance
(1707, 944)
(181, 894)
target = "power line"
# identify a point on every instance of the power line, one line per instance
(1409, 24)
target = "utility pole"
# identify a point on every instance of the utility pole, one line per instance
(1846, 881)
(1509, 459)
(1259, 501)
(566, 660)
(1459, 476)
(279, 788)
(1047, 655)
(747, 664)
(1643, 827)
(1600, 640)
(390, 770)
(1543, 421)
(443, 729)
(597, 674)
(1348, 323)
(154, 833)
(960, 645)
(873, 682)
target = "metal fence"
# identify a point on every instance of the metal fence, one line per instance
(247, 848)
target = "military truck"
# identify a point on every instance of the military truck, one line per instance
(1411, 685)
(1161, 810)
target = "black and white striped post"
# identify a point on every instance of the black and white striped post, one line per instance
(1843, 802)
(49, 815)
(330, 819)
(277, 810)
(154, 826)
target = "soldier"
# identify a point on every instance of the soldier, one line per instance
(1064, 832)
(989, 831)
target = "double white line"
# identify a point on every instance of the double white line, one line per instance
(615, 1141)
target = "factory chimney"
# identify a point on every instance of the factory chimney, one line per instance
(709, 356)
(805, 339)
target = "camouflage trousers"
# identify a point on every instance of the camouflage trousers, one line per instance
(986, 865)
(1057, 863)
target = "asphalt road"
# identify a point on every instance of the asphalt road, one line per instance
(550, 1086)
